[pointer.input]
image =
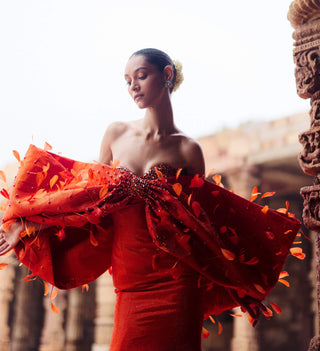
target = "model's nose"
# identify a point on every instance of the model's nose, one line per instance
(135, 86)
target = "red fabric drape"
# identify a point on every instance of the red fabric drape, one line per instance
(232, 244)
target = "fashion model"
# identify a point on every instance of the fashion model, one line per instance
(181, 248)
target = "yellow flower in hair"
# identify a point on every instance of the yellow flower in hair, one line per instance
(179, 74)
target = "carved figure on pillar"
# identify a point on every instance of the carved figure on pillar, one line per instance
(304, 16)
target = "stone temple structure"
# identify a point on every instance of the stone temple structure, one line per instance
(260, 154)
(304, 16)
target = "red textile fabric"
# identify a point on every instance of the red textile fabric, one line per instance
(204, 241)
(153, 310)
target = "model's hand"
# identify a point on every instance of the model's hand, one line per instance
(9, 239)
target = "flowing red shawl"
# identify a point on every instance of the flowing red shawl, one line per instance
(237, 247)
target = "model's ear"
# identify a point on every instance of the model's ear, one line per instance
(168, 73)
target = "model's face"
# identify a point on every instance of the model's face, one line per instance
(145, 82)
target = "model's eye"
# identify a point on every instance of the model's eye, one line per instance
(128, 83)
(143, 77)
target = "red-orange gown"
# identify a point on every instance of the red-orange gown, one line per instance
(181, 248)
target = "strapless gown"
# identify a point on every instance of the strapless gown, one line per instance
(181, 248)
(153, 310)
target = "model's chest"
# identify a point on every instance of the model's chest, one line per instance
(140, 155)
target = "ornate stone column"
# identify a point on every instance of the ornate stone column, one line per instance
(53, 334)
(6, 296)
(27, 313)
(304, 16)
(242, 181)
(105, 300)
(79, 319)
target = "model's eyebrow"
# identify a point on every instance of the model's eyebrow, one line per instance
(138, 69)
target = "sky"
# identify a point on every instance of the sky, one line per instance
(62, 64)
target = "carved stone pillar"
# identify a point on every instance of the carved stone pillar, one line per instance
(6, 296)
(53, 334)
(105, 299)
(304, 16)
(27, 313)
(79, 320)
(245, 337)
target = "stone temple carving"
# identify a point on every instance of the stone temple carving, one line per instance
(304, 16)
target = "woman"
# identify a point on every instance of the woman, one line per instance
(180, 248)
(153, 141)
(151, 76)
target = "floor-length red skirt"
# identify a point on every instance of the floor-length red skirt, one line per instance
(154, 310)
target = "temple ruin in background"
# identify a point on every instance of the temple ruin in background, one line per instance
(304, 16)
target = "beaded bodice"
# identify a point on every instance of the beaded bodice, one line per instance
(165, 169)
(144, 187)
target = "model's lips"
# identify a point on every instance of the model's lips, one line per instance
(137, 97)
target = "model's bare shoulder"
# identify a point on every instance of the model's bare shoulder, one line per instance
(192, 152)
(114, 131)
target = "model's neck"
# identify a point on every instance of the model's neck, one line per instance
(158, 121)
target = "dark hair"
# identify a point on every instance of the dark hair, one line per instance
(158, 58)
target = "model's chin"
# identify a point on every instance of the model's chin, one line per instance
(140, 104)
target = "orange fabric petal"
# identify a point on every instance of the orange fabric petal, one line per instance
(254, 194)
(16, 155)
(230, 256)
(196, 208)
(177, 187)
(47, 146)
(46, 288)
(297, 252)
(267, 313)
(284, 282)
(4, 193)
(85, 287)
(53, 181)
(93, 240)
(3, 176)
(236, 315)
(276, 308)
(159, 174)
(283, 274)
(4, 205)
(196, 182)
(178, 173)
(217, 179)
(267, 194)
(54, 308)
(205, 333)
(54, 294)
(103, 191)
(259, 288)
(3, 265)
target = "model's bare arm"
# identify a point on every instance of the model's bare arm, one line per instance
(9, 239)
(114, 131)
(193, 155)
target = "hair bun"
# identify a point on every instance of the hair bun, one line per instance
(179, 74)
